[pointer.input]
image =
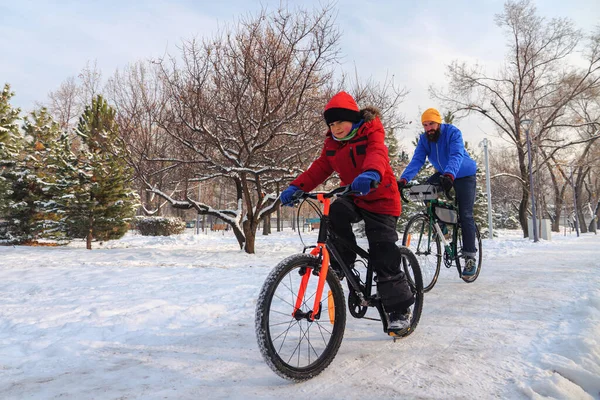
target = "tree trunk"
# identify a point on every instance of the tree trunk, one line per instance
(239, 235)
(558, 203)
(279, 223)
(90, 236)
(523, 205)
(266, 225)
(250, 227)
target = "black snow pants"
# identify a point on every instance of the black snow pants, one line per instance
(384, 254)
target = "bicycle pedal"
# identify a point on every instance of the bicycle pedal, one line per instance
(399, 334)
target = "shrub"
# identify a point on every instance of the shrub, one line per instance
(159, 226)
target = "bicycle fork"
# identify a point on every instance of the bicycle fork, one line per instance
(319, 250)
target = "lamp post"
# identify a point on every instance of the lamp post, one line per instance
(487, 187)
(526, 124)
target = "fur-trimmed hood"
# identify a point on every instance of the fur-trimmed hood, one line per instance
(369, 113)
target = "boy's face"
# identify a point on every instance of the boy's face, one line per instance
(340, 129)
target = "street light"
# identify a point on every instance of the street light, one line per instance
(526, 124)
(485, 145)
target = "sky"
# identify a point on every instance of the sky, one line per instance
(43, 43)
(154, 318)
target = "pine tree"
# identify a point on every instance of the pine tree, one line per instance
(10, 142)
(62, 164)
(30, 207)
(395, 154)
(414, 207)
(480, 212)
(103, 202)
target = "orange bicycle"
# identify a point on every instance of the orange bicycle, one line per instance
(301, 310)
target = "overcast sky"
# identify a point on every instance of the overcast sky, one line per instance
(42, 43)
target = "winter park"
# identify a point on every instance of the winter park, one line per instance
(300, 200)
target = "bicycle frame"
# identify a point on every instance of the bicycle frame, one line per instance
(325, 249)
(450, 248)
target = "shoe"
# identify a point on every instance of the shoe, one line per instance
(399, 320)
(470, 266)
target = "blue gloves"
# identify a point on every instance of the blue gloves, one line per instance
(287, 195)
(362, 183)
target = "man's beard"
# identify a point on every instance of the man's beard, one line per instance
(433, 134)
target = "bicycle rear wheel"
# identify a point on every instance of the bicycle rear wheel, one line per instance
(423, 241)
(460, 261)
(298, 348)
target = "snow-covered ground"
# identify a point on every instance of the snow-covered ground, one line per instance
(173, 318)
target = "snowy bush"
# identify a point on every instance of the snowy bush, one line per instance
(159, 226)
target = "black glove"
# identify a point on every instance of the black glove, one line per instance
(447, 181)
(401, 183)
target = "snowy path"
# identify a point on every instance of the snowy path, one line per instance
(149, 318)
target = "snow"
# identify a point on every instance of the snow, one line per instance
(173, 318)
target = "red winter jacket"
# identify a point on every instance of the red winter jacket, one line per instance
(366, 151)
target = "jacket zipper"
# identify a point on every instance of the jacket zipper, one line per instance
(352, 157)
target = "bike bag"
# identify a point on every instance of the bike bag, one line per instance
(424, 192)
(446, 215)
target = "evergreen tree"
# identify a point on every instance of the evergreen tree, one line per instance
(480, 211)
(30, 208)
(62, 165)
(10, 141)
(414, 207)
(397, 162)
(103, 202)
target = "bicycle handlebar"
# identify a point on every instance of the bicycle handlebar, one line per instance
(409, 185)
(339, 191)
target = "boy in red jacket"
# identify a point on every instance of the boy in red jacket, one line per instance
(355, 149)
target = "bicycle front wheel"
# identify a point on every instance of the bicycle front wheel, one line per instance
(415, 280)
(297, 347)
(423, 241)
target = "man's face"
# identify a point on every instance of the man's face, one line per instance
(340, 129)
(430, 127)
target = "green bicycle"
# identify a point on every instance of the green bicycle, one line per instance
(432, 242)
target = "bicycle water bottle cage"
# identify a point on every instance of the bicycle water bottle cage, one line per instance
(424, 192)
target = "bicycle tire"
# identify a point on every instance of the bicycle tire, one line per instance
(479, 256)
(428, 253)
(289, 345)
(415, 280)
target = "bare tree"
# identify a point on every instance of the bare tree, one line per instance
(66, 104)
(244, 108)
(536, 82)
(139, 98)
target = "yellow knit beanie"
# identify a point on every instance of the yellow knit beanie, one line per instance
(431, 114)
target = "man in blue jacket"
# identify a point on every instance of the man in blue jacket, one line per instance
(443, 145)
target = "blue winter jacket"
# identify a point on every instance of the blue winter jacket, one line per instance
(447, 155)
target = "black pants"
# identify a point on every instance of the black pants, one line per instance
(384, 254)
